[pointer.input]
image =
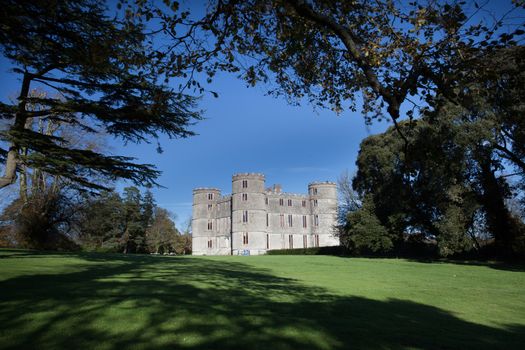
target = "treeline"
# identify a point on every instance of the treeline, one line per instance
(57, 219)
(457, 180)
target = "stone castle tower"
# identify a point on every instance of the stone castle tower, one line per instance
(254, 219)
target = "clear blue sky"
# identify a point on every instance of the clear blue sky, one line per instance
(246, 131)
(243, 131)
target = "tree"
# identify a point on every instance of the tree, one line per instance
(349, 202)
(162, 236)
(148, 207)
(364, 231)
(132, 238)
(337, 53)
(452, 174)
(106, 74)
(43, 222)
(100, 222)
(184, 243)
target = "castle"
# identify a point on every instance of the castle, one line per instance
(254, 219)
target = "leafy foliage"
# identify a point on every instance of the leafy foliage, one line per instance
(104, 70)
(132, 223)
(365, 233)
(44, 222)
(337, 54)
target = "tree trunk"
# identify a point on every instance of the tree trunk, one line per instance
(23, 184)
(12, 160)
(499, 220)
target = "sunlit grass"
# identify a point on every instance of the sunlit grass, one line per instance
(112, 301)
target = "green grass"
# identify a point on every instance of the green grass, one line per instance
(111, 301)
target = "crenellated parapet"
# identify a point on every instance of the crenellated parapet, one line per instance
(254, 218)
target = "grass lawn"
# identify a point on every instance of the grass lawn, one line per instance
(111, 301)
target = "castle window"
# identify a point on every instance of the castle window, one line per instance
(315, 202)
(245, 196)
(304, 221)
(316, 240)
(305, 241)
(289, 202)
(245, 216)
(290, 220)
(210, 206)
(210, 243)
(245, 238)
(244, 183)
(290, 241)
(266, 200)
(267, 220)
(281, 202)
(210, 225)
(267, 241)
(316, 220)
(210, 196)
(314, 191)
(281, 217)
(304, 203)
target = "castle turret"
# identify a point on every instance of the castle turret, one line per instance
(323, 203)
(248, 213)
(204, 225)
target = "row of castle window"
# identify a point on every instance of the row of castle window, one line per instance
(225, 223)
(245, 241)
(220, 206)
(303, 203)
(281, 220)
(281, 201)
(290, 220)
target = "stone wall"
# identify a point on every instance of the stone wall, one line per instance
(254, 219)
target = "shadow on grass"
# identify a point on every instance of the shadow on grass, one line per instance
(116, 302)
(497, 265)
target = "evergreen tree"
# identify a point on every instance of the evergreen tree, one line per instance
(132, 239)
(105, 71)
(101, 222)
(148, 206)
(364, 232)
(162, 236)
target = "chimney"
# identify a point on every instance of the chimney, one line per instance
(277, 188)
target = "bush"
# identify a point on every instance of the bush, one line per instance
(41, 223)
(335, 250)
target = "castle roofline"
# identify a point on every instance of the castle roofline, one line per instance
(321, 183)
(206, 189)
(248, 175)
(278, 194)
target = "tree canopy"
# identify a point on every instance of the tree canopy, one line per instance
(104, 74)
(336, 54)
(452, 184)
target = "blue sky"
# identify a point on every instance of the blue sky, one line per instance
(246, 131)
(243, 131)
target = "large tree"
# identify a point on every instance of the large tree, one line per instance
(103, 70)
(339, 53)
(455, 170)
